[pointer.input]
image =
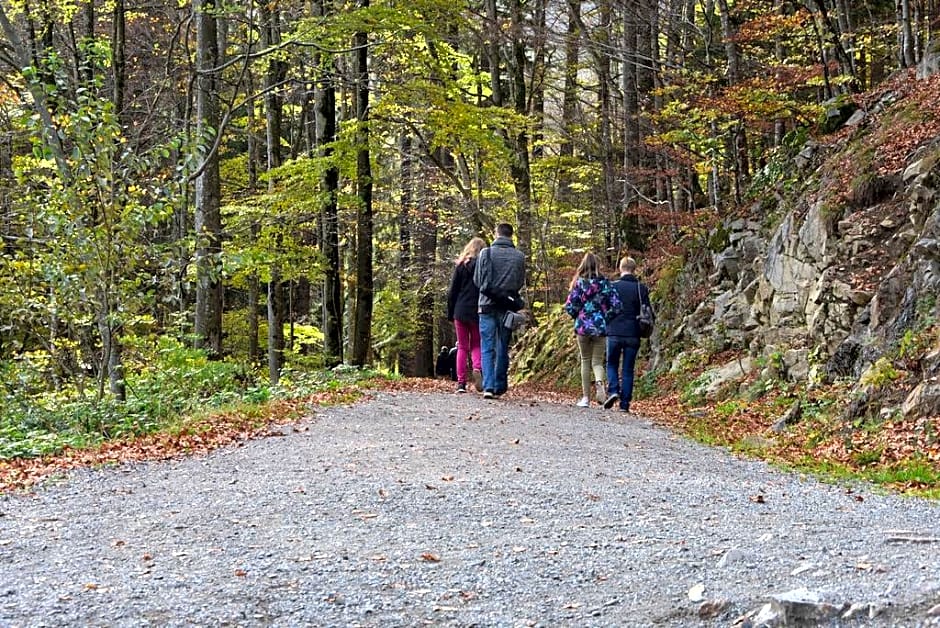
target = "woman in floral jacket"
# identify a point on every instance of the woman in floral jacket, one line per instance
(592, 302)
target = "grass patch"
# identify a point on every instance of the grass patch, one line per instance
(909, 474)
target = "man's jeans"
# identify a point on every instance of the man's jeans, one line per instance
(494, 345)
(625, 348)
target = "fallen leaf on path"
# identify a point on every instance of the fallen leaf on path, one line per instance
(430, 558)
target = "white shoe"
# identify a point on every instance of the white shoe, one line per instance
(584, 403)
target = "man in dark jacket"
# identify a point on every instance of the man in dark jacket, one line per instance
(500, 275)
(623, 336)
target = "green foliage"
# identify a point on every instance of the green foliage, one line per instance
(394, 324)
(166, 381)
(645, 385)
(548, 354)
(78, 227)
(867, 458)
(302, 383)
(728, 408)
(693, 392)
(881, 374)
(169, 382)
(779, 170)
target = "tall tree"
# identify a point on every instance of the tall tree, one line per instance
(208, 193)
(362, 336)
(325, 115)
(277, 314)
(519, 167)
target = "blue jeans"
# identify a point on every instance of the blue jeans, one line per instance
(494, 346)
(625, 348)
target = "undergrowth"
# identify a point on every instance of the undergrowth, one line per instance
(169, 387)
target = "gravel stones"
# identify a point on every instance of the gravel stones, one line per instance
(411, 509)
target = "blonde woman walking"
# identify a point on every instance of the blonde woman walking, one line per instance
(591, 302)
(462, 300)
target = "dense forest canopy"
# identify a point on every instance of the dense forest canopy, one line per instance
(286, 184)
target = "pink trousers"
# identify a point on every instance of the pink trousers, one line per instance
(468, 346)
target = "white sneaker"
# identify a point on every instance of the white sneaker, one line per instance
(584, 403)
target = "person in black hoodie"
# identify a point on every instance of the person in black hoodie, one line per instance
(462, 300)
(623, 336)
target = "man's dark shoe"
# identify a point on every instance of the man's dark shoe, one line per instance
(611, 400)
(488, 394)
(461, 388)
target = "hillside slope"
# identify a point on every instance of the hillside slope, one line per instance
(817, 324)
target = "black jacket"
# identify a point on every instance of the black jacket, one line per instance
(463, 294)
(624, 323)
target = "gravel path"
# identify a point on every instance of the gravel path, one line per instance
(414, 509)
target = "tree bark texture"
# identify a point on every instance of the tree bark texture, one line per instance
(362, 338)
(208, 217)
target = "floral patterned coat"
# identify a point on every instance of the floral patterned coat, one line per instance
(591, 303)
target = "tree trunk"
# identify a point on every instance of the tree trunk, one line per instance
(208, 219)
(426, 227)
(277, 311)
(631, 126)
(362, 338)
(112, 359)
(737, 153)
(569, 107)
(906, 34)
(119, 61)
(275, 327)
(519, 166)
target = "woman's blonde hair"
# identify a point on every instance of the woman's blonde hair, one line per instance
(589, 268)
(473, 248)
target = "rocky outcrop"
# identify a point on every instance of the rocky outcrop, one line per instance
(831, 287)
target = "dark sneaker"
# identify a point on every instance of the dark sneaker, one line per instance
(477, 380)
(625, 410)
(461, 388)
(611, 400)
(488, 394)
